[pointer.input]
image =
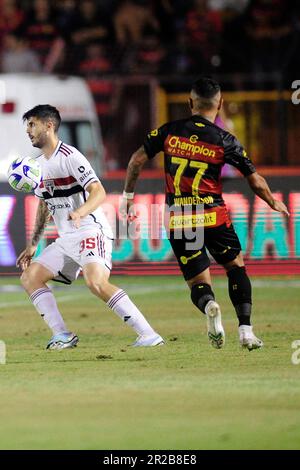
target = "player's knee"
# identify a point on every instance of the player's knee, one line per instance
(26, 278)
(201, 294)
(97, 288)
(239, 286)
(93, 285)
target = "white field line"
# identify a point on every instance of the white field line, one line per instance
(82, 291)
(64, 298)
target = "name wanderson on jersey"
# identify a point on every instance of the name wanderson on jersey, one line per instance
(66, 175)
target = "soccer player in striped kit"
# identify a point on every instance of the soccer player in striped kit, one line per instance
(72, 194)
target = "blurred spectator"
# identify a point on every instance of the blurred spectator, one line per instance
(60, 58)
(252, 43)
(132, 20)
(40, 28)
(149, 57)
(238, 6)
(268, 19)
(94, 66)
(203, 30)
(268, 26)
(170, 14)
(66, 15)
(89, 27)
(11, 17)
(97, 61)
(180, 60)
(234, 48)
(17, 57)
(106, 95)
(56, 60)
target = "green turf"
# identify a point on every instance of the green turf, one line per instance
(185, 395)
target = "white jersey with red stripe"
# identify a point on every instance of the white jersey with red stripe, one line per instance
(66, 175)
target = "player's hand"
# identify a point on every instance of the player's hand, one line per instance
(279, 206)
(127, 211)
(75, 217)
(24, 259)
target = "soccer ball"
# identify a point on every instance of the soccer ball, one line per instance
(24, 174)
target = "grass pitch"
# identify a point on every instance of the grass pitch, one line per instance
(185, 395)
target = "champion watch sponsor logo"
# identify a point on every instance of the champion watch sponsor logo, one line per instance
(193, 148)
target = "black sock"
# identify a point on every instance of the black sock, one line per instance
(240, 293)
(243, 312)
(201, 294)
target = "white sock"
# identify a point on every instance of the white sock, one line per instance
(246, 330)
(45, 303)
(121, 304)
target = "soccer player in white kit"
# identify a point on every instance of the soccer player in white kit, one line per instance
(72, 194)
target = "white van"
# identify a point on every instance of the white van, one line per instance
(70, 95)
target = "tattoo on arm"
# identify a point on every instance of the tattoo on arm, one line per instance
(135, 165)
(42, 217)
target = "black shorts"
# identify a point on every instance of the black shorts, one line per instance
(222, 242)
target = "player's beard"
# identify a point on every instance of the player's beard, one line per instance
(40, 141)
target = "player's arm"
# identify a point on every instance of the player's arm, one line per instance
(80, 168)
(236, 155)
(261, 188)
(95, 198)
(42, 217)
(135, 165)
(153, 144)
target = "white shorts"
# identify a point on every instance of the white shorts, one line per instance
(68, 254)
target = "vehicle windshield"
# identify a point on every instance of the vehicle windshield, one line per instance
(81, 135)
